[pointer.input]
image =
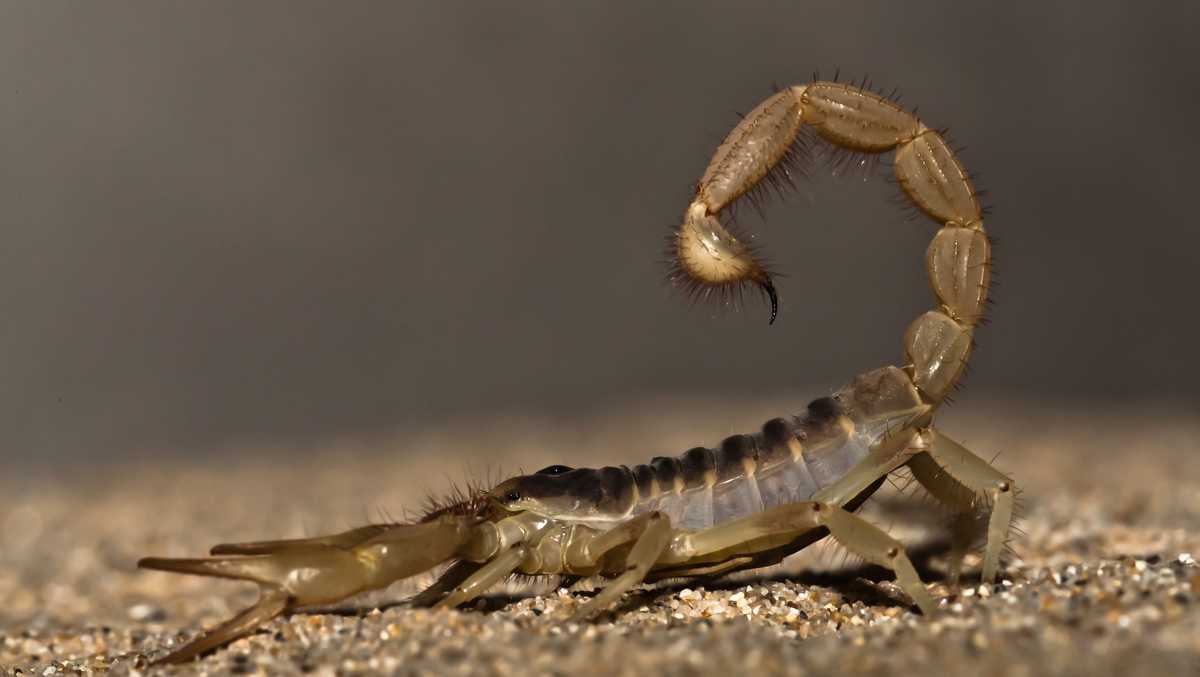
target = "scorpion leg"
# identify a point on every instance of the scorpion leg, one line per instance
(963, 532)
(963, 526)
(715, 570)
(293, 573)
(882, 460)
(485, 577)
(766, 530)
(961, 479)
(650, 534)
(455, 575)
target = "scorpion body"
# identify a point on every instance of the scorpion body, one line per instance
(751, 500)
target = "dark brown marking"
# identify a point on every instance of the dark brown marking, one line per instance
(822, 411)
(697, 464)
(732, 454)
(667, 469)
(617, 483)
(776, 434)
(644, 476)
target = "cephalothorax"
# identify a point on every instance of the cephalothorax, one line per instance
(753, 499)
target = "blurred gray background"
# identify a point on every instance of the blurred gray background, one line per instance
(231, 223)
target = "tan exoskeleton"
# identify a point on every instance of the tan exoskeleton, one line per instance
(753, 499)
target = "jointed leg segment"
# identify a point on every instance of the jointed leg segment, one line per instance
(491, 573)
(650, 534)
(786, 522)
(458, 572)
(961, 480)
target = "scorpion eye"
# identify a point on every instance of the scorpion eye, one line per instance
(554, 470)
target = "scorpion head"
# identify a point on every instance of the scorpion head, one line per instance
(561, 492)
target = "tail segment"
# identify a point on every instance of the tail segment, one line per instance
(763, 149)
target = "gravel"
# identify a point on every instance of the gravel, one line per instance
(1105, 579)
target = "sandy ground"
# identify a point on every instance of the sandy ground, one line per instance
(1104, 581)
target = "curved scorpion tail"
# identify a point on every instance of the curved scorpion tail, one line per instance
(763, 149)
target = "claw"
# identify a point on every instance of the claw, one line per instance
(302, 572)
(346, 539)
(269, 606)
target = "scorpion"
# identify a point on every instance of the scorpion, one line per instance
(753, 499)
